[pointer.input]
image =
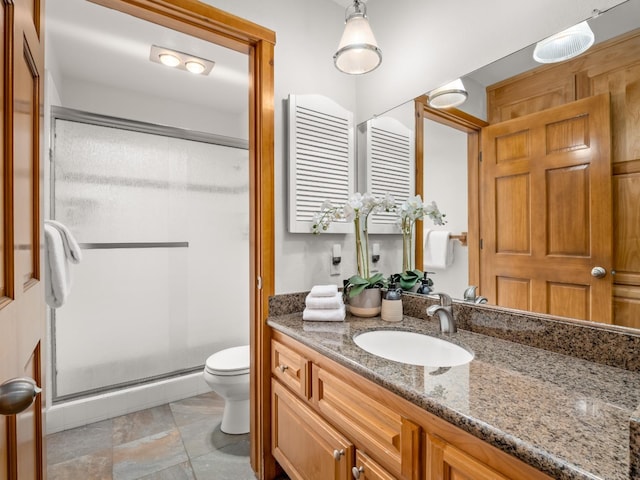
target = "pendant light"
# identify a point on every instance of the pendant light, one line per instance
(564, 45)
(448, 96)
(358, 50)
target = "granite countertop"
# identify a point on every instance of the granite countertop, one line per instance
(568, 417)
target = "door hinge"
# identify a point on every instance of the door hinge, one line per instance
(481, 244)
(480, 156)
(259, 282)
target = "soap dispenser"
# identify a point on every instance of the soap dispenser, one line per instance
(391, 310)
(425, 284)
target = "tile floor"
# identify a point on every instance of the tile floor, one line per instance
(178, 441)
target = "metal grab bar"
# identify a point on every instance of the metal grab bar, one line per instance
(114, 245)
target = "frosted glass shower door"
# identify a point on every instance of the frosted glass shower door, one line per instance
(164, 224)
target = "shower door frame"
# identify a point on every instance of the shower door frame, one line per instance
(211, 24)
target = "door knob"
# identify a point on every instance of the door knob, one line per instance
(598, 272)
(17, 394)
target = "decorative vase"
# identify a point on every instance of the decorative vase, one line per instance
(366, 304)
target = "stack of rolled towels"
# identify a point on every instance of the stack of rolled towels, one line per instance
(324, 304)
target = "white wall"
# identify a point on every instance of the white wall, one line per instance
(426, 44)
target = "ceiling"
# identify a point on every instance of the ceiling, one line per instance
(99, 45)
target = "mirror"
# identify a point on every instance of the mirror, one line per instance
(447, 184)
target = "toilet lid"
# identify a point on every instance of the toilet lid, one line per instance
(231, 361)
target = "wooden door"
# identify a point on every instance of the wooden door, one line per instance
(546, 206)
(22, 311)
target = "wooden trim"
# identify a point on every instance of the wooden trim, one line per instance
(623, 168)
(465, 122)
(197, 19)
(9, 236)
(419, 172)
(211, 24)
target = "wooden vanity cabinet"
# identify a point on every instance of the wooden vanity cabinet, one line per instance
(328, 422)
(306, 446)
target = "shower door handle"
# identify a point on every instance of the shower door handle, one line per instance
(17, 394)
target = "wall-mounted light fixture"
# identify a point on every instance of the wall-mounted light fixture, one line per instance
(564, 45)
(358, 50)
(450, 95)
(180, 60)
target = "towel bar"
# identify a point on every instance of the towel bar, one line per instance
(462, 238)
(109, 246)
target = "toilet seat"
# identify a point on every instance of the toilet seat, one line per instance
(228, 362)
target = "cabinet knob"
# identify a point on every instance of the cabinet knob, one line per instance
(338, 453)
(356, 471)
(598, 272)
(282, 368)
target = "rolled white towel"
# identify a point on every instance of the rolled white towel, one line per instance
(325, 315)
(323, 291)
(323, 303)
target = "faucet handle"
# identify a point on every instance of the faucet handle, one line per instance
(445, 299)
(470, 293)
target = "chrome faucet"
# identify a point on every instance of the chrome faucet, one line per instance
(470, 295)
(444, 312)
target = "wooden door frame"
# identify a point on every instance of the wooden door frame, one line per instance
(464, 122)
(211, 24)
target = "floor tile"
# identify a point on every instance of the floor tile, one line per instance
(178, 472)
(96, 466)
(137, 425)
(218, 465)
(148, 455)
(197, 409)
(63, 446)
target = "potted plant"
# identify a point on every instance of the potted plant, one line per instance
(362, 289)
(410, 211)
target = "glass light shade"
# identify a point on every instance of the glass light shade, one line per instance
(358, 50)
(194, 67)
(448, 96)
(169, 60)
(564, 45)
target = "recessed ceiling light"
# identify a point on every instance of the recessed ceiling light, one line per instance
(169, 60)
(194, 67)
(180, 60)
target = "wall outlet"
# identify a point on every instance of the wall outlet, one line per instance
(334, 268)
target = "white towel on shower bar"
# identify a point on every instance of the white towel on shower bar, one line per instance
(438, 249)
(61, 250)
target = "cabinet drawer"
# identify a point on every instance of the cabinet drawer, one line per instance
(306, 446)
(366, 469)
(446, 461)
(391, 439)
(291, 368)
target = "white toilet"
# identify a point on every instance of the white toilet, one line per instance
(227, 373)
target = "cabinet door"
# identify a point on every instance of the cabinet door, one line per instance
(444, 461)
(393, 440)
(366, 469)
(305, 445)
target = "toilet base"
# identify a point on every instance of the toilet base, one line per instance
(235, 418)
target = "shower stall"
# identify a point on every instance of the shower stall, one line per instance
(162, 217)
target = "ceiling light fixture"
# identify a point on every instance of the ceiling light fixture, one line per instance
(450, 95)
(169, 60)
(194, 67)
(180, 60)
(564, 45)
(358, 50)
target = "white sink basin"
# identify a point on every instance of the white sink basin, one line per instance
(413, 348)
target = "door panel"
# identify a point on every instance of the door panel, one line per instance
(22, 310)
(545, 181)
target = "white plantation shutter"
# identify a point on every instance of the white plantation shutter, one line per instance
(321, 159)
(390, 167)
